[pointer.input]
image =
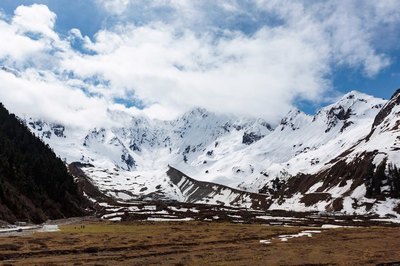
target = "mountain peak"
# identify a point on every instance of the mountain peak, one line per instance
(351, 107)
(353, 93)
(294, 119)
(352, 97)
(196, 112)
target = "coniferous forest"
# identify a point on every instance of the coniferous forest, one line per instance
(34, 183)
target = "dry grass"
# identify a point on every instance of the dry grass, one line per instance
(199, 243)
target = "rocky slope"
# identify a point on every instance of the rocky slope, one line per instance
(362, 179)
(325, 162)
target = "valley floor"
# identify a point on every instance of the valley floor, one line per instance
(201, 243)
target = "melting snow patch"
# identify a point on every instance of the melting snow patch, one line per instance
(339, 191)
(178, 209)
(111, 215)
(150, 208)
(314, 187)
(234, 216)
(17, 229)
(307, 233)
(285, 238)
(115, 219)
(267, 217)
(333, 226)
(50, 228)
(168, 220)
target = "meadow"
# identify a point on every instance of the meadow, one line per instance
(201, 243)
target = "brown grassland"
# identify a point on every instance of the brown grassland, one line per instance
(199, 243)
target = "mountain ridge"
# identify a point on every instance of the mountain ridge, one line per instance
(246, 154)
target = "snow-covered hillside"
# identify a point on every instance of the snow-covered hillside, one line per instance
(193, 142)
(361, 179)
(242, 153)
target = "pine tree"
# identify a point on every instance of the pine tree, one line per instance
(394, 181)
(374, 183)
(34, 183)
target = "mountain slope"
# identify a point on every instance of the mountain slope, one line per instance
(324, 162)
(362, 179)
(217, 148)
(315, 140)
(34, 183)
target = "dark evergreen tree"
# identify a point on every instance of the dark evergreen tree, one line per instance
(374, 183)
(34, 183)
(394, 181)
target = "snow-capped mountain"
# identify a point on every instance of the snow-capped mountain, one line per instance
(145, 148)
(361, 179)
(286, 163)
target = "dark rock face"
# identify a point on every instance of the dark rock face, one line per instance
(346, 125)
(288, 121)
(387, 109)
(86, 185)
(37, 125)
(384, 112)
(46, 134)
(360, 171)
(58, 130)
(195, 191)
(337, 114)
(249, 138)
(134, 147)
(128, 160)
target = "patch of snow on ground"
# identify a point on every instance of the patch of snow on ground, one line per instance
(50, 228)
(115, 219)
(339, 191)
(267, 217)
(307, 233)
(18, 229)
(285, 238)
(154, 219)
(382, 208)
(332, 226)
(315, 187)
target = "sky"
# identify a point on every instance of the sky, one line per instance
(75, 61)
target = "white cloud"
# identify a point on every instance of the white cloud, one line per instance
(114, 6)
(349, 27)
(16, 47)
(258, 75)
(48, 98)
(35, 19)
(29, 38)
(176, 65)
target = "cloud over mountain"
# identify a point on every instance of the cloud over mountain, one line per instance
(253, 58)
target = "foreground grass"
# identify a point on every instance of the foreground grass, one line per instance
(199, 243)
